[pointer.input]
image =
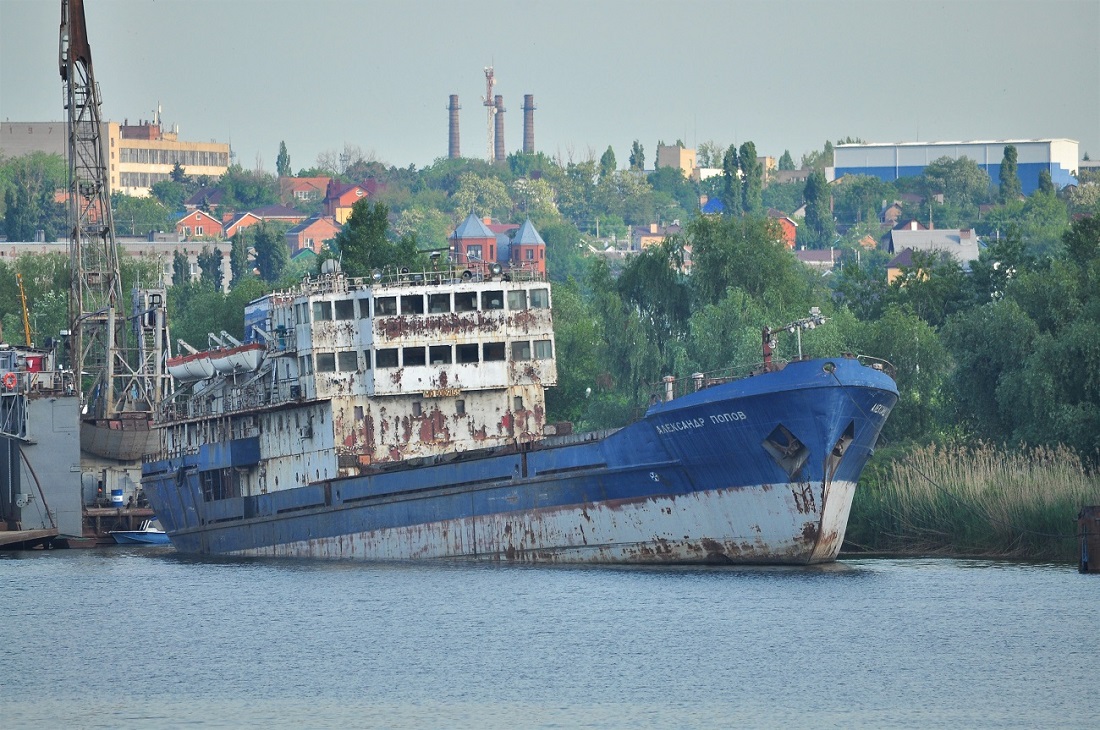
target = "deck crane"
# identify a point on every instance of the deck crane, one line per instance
(121, 383)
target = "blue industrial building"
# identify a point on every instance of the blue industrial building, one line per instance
(893, 160)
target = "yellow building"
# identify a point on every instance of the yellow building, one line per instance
(138, 156)
(676, 156)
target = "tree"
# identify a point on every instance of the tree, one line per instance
(710, 154)
(753, 182)
(637, 156)
(607, 162)
(181, 269)
(272, 254)
(1046, 185)
(210, 266)
(177, 175)
(238, 259)
(363, 244)
(140, 216)
(820, 226)
(484, 195)
(282, 162)
(1010, 179)
(731, 183)
(785, 161)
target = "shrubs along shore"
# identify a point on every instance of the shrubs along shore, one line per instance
(979, 501)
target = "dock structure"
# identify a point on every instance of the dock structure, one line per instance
(24, 539)
(1088, 529)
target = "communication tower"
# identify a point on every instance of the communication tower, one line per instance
(490, 109)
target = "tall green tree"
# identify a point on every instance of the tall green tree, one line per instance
(210, 266)
(1046, 185)
(607, 163)
(364, 244)
(181, 269)
(753, 181)
(637, 156)
(786, 162)
(820, 227)
(282, 162)
(272, 254)
(238, 259)
(731, 183)
(1009, 175)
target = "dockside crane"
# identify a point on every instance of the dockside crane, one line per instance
(117, 351)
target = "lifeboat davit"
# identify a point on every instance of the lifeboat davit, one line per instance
(196, 366)
(239, 359)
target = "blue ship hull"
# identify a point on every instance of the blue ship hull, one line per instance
(759, 470)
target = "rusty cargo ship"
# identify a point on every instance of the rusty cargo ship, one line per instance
(403, 417)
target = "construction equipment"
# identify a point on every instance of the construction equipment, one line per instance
(26, 317)
(120, 383)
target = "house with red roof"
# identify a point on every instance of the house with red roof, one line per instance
(198, 225)
(340, 197)
(238, 222)
(294, 190)
(312, 234)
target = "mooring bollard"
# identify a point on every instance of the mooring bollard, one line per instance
(1088, 528)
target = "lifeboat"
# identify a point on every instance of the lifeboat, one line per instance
(195, 366)
(239, 359)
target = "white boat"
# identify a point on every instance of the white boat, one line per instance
(240, 359)
(150, 533)
(187, 368)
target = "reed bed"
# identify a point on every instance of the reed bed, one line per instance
(979, 500)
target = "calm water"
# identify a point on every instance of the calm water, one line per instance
(145, 638)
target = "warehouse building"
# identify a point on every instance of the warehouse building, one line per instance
(893, 160)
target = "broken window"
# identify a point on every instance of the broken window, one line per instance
(322, 311)
(492, 351)
(413, 356)
(385, 306)
(492, 300)
(412, 304)
(326, 362)
(347, 361)
(540, 299)
(386, 358)
(517, 300)
(466, 353)
(439, 303)
(544, 350)
(439, 354)
(465, 301)
(345, 309)
(521, 350)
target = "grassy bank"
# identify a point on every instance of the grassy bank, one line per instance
(972, 501)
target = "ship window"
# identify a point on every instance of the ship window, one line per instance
(544, 350)
(326, 362)
(413, 356)
(517, 403)
(364, 309)
(517, 299)
(540, 299)
(417, 410)
(439, 303)
(322, 311)
(412, 304)
(440, 354)
(366, 359)
(465, 353)
(493, 351)
(347, 361)
(305, 365)
(386, 358)
(358, 413)
(345, 309)
(460, 407)
(384, 306)
(465, 301)
(521, 350)
(492, 300)
(301, 314)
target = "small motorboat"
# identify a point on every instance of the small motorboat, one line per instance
(150, 533)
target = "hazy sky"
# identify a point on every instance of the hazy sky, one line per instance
(377, 74)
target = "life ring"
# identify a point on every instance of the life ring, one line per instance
(10, 380)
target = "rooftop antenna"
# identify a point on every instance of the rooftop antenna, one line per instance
(490, 109)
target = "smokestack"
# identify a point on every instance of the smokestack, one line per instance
(529, 124)
(452, 145)
(500, 155)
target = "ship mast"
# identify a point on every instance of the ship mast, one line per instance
(113, 379)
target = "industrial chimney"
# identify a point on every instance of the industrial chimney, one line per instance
(452, 146)
(500, 155)
(529, 124)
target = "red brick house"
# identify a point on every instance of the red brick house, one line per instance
(312, 234)
(787, 225)
(340, 197)
(239, 222)
(294, 190)
(198, 224)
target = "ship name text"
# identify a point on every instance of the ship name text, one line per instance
(693, 423)
(442, 393)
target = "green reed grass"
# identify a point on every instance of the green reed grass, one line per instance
(980, 500)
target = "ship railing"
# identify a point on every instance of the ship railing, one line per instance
(439, 274)
(877, 363)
